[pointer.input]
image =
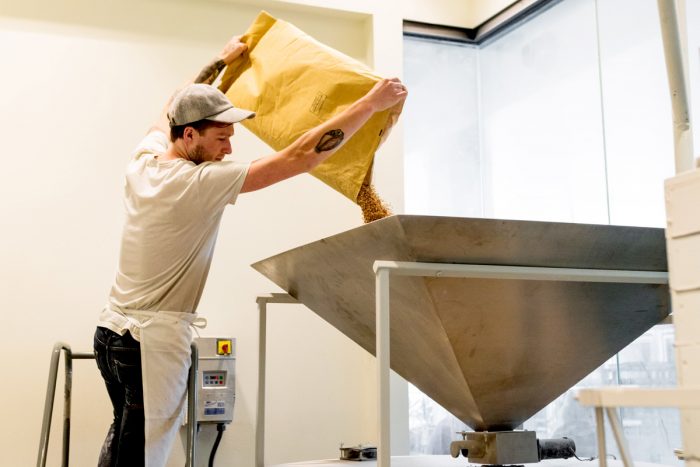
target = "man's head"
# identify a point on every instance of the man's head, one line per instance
(201, 121)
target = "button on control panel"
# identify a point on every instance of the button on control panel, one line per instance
(214, 378)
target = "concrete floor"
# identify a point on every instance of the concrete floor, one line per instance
(447, 461)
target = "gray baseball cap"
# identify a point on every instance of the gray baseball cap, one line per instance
(204, 102)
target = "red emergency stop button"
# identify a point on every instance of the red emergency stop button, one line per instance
(223, 347)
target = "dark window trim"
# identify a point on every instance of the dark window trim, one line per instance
(500, 23)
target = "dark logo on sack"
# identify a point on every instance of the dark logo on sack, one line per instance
(317, 104)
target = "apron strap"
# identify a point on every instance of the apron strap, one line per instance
(200, 322)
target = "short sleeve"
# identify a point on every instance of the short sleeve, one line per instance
(221, 182)
(155, 142)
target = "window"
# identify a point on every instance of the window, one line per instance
(565, 117)
(442, 164)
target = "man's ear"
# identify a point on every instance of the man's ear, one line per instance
(188, 133)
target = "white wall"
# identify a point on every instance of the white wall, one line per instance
(81, 82)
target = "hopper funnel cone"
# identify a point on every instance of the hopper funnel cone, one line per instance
(493, 352)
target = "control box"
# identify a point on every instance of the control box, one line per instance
(216, 382)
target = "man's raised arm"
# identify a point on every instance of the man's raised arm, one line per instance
(321, 142)
(232, 50)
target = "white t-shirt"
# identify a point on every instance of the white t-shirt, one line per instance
(173, 211)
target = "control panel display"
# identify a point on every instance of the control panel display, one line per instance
(214, 379)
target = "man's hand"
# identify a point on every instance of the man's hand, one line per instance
(231, 51)
(386, 93)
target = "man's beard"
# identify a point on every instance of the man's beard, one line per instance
(197, 154)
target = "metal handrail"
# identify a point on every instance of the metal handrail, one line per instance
(48, 404)
(51, 392)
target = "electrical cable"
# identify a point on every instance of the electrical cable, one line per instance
(588, 459)
(220, 427)
(585, 459)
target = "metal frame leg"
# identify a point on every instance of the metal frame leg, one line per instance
(383, 359)
(262, 302)
(67, 393)
(48, 404)
(260, 417)
(383, 365)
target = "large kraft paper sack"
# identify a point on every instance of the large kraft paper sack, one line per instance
(294, 83)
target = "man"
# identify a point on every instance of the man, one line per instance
(175, 195)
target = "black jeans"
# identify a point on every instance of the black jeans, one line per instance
(119, 360)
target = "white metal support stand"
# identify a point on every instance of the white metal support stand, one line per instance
(262, 302)
(384, 269)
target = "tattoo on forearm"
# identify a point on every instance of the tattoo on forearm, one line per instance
(330, 140)
(210, 72)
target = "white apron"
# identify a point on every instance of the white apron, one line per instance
(165, 338)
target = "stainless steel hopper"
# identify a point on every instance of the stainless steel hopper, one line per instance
(491, 351)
